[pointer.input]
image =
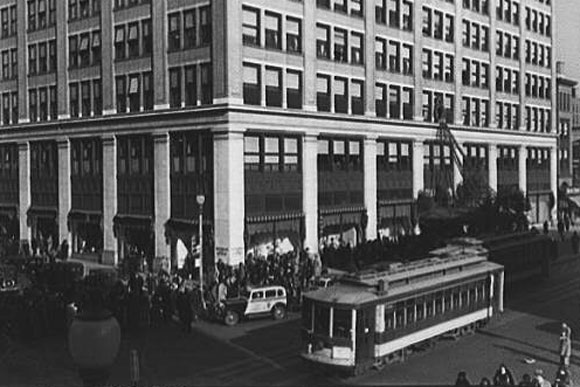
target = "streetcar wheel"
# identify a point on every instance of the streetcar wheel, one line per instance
(231, 318)
(278, 312)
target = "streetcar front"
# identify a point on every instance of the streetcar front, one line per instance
(327, 333)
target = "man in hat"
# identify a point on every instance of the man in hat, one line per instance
(540, 381)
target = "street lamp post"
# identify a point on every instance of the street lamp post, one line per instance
(200, 201)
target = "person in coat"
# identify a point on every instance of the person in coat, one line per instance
(462, 380)
(565, 345)
(503, 377)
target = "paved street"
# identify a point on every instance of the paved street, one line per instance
(266, 353)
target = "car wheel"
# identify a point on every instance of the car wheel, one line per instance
(231, 318)
(279, 312)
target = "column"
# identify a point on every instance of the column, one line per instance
(457, 176)
(107, 62)
(310, 191)
(162, 194)
(492, 60)
(370, 186)
(500, 285)
(418, 173)
(227, 51)
(64, 190)
(522, 168)
(229, 196)
(160, 73)
(24, 188)
(417, 61)
(492, 167)
(110, 246)
(523, 66)
(310, 59)
(22, 54)
(369, 53)
(458, 66)
(62, 88)
(554, 179)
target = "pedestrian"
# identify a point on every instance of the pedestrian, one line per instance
(565, 346)
(539, 379)
(485, 382)
(462, 380)
(567, 223)
(561, 228)
(503, 377)
(526, 381)
(575, 242)
(563, 378)
(546, 227)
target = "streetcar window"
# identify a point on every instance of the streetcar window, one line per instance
(472, 297)
(342, 323)
(322, 320)
(257, 295)
(280, 293)
(456, 298)
(447, 299)
(399, 315)
(410, 311)
(429, 307)
(464, 297)
(439, 303)
(307, 314)
(270, 293)
(389, 317)
(420, 309)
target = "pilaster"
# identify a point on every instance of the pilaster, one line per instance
(310, 56)
(110, 246)
(62, 88)
(554, 178)
(492, 167)
(229, 196)
(522, 168)
(370, 186)
(22, 54)
(418, 173)
(162, 195)
(24, 188)
(310, 191)
(160, 73)
(107, 63)
(64, 190)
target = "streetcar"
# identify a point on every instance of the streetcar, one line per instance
(370, 319)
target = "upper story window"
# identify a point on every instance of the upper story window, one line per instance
(251, 26)
(82, 9)
(293, 35)
(273, 30)
(323, 41)
(174, 32)
(195, 31)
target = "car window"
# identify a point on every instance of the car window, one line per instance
(257, 295)
(280, 293)
(270, 293)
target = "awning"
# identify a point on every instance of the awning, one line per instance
(133, 220)
(9, 211)
(85, 216)
(42, 212)
(574, 201)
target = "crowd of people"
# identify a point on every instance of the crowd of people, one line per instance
(504, 377)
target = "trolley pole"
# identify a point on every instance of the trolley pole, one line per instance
(200, 201)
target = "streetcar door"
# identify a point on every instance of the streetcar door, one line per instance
(365, 334)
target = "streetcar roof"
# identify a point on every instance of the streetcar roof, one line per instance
(351, 294)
